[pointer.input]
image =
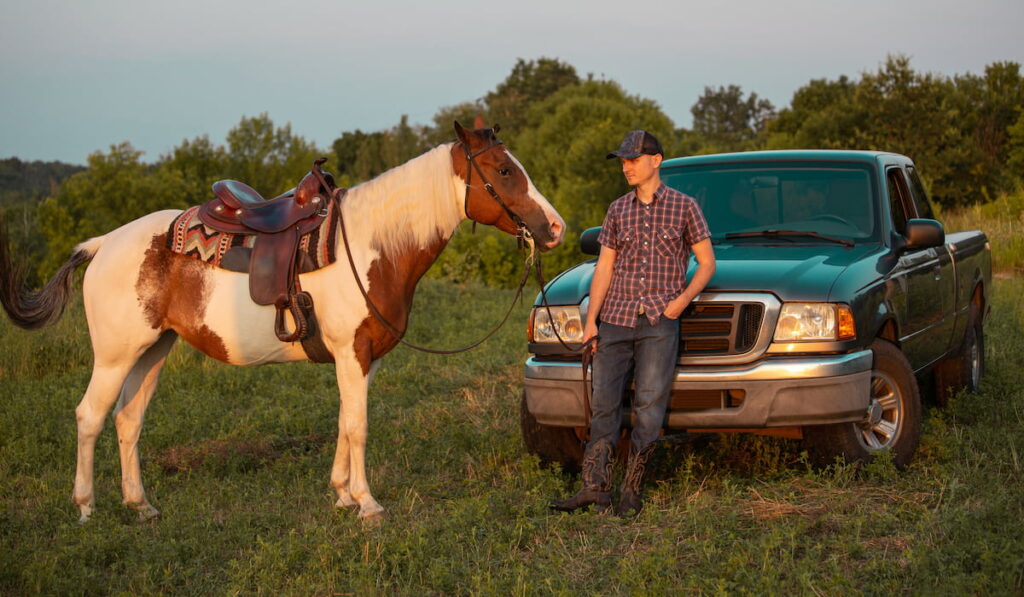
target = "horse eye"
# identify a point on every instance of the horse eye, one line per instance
(504, 171)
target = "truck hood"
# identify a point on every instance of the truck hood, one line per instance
(793, 273)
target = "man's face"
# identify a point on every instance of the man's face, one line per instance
(640, 170)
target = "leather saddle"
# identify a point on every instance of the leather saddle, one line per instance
(273, 263)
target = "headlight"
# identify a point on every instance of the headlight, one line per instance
(802, 322)
(568, 320)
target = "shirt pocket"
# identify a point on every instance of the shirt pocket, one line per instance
(669, 241)
(626, 239)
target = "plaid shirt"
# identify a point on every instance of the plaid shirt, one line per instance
(652, 249)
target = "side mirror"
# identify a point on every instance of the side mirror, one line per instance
(924, 234)
(588, 241)
(921, 233)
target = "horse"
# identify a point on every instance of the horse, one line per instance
(140, 297)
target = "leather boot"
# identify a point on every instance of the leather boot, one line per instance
(598, 462)
(631, 496)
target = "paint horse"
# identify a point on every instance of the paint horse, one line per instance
(140, 297)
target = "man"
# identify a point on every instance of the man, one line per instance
(638, 292)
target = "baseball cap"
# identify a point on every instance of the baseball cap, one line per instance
(635, 144)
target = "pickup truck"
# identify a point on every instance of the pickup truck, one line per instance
(837, 298)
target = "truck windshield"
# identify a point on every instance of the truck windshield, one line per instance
(836, 199)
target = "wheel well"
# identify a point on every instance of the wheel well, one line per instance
(978, 298)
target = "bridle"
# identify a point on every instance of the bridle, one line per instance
(523, 234)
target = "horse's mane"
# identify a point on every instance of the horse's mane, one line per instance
(410, 205)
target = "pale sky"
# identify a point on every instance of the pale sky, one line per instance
(81, 75)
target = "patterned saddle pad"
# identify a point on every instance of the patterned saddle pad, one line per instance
(189, 236)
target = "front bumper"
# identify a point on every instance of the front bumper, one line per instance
(775, 391)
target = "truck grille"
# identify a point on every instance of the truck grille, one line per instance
(719, 328)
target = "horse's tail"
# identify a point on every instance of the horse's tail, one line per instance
(34, 309)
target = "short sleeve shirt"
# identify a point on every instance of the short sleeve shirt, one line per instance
(652, 250)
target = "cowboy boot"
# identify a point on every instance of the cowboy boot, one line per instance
(598, 462)
(631, 496)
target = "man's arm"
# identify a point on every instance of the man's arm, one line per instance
(705, 270)
(599, 285)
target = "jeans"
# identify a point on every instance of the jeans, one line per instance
(650, 351)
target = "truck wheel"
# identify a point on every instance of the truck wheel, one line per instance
(552, 444)
(964, 369)
(893, 420)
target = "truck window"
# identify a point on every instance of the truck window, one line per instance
(924, 207)
(833, 198)
(898, 198)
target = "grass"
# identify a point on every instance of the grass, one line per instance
(237, 460)
(1003, 222)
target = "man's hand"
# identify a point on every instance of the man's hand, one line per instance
(590, 331)
(675, 307)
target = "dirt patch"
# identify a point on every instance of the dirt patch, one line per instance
(253, 452)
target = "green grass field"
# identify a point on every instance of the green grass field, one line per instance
(237, 460)
(1003, 223)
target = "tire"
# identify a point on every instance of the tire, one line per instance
(553, 445)
(963, 370)
(893, 421)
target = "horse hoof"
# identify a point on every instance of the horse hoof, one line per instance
(147, 512)
(372, 515)
(86, 514)
(346, 504)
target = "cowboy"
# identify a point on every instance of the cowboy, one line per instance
(638, 292)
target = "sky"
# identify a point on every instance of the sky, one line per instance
(81, 75)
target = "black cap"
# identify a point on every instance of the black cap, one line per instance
(635, 144)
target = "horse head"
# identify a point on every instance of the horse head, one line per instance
(499, 192)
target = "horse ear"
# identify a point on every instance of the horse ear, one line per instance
(496, 128)
(461, 134)
(479, 122)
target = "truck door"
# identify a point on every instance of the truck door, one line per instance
(945, 274)
(924, 331)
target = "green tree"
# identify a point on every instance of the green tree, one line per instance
(269, 159)
(728, 121)
(361, 156)
(989, 106)
(199, 163)
(821, 115)
(529, 82)
(443, 130)
(117, 188)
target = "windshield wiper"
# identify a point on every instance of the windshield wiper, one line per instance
(779, 233)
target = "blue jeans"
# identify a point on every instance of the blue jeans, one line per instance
(650, 351)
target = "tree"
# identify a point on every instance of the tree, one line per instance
(528, 83)
(116, 188)
(989, 107)
(362, 156)
(729, 122)
(199, 163)
(269, 159)
(821, 115)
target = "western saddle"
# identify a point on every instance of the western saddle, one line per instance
(273, 263)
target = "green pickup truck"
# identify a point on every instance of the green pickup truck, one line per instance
(837, 297)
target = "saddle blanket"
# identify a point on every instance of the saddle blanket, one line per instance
(189, 236)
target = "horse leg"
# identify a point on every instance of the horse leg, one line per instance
(348, 476)
(128, 417)
(104, 388)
